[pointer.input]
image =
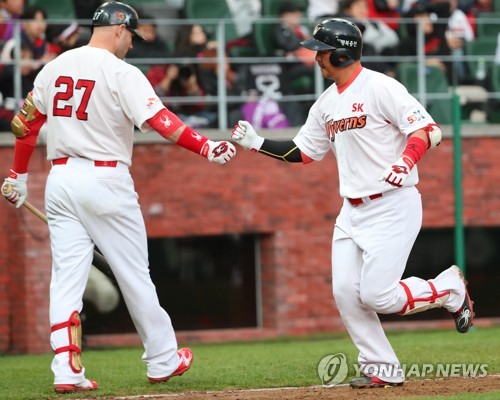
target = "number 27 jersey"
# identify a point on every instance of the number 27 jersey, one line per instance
(93, 100)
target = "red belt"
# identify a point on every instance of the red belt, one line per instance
(64, 161)
(357, 202)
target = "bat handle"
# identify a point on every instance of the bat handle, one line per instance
(7, 189)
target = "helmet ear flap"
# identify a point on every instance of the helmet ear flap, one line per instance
(341, 57)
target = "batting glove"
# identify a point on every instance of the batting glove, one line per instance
(244, 134)
(14, 188)
(218, 152)
(397, 173)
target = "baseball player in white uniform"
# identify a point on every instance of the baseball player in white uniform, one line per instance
(378, 132)
(91, 99)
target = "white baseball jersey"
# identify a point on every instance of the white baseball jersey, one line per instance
(92, 100)
(107, 96)
(366, 127)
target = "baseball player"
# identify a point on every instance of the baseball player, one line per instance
(378, 133)
(91, 99)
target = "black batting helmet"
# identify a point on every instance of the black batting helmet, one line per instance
(339, 35)
(116, 13)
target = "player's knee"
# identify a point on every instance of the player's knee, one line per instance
(376, 300)
(343, 293)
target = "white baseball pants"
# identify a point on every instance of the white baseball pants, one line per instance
(371, 245)
(87, 204)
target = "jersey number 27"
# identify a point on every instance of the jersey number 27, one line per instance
(68, 86)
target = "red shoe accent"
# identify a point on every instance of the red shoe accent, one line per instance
(87, 384)
(371, 381)
(186, 356)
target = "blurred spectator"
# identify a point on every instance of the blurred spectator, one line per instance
(459, 31)
(475, 7)
(377, 33)
(385, 9)
(154, 46)
(63, 37)
(479, 6)
(10, 10)
(190, 79)
(264, 113)
(318, 10)
(193, 41)
(378, 38)
(287, 35)
(245, 12)
(435, 41)
(29, 69)
(34, 25)
(35, 51)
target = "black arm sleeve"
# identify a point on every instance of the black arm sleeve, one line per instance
(284, 150)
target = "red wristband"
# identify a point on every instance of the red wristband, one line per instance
(23, 150)
(415, 149)
(191, 140)
(165, 122)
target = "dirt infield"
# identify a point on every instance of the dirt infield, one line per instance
(415, 388)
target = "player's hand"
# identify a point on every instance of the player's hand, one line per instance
(397, 173)
(218, 152)
(14, 188)
(244, 134)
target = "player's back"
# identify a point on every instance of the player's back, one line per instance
(84, 93)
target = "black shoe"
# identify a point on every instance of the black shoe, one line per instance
(368, 382)
(465, 315)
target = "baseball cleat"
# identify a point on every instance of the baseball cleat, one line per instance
(465, 315)
(186, 356)
(87, 384)
(370, 381)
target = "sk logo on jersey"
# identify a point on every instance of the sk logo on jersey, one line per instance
(415, 117)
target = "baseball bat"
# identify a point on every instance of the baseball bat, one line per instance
(98, 260)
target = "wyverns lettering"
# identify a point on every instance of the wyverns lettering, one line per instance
(344, 124)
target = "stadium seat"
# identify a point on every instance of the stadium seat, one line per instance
(56, 9)
(262, 32)
(481, 46)
(488, 24)
(217, 9)
(270, 7)
(436, 83)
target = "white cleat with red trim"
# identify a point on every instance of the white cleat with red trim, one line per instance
(186, 356)
(87, 384)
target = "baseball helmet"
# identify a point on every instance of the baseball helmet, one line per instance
(116, 13)
(339, 35)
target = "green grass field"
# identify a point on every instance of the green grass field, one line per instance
(272, 363)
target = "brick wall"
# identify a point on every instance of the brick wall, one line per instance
(293, 207)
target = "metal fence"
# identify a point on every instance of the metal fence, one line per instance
(222, 100)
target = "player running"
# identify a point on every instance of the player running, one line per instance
(91, 99)
(378, 133)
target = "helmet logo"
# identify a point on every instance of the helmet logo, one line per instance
(122, 17)
(348, 43)
(317, 28)
(97, 14)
